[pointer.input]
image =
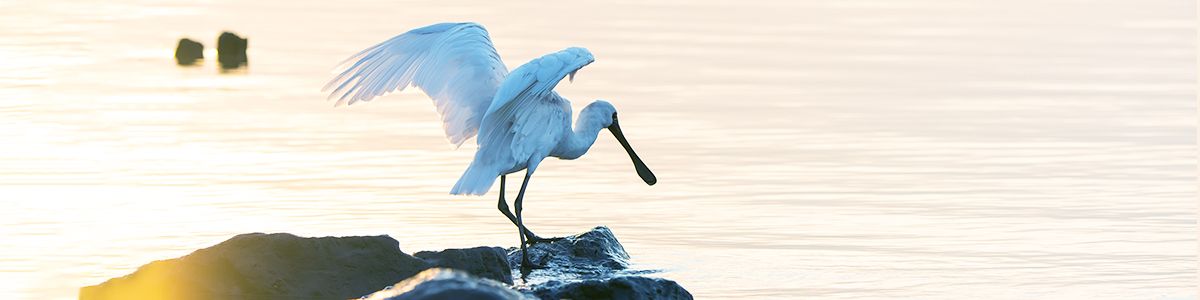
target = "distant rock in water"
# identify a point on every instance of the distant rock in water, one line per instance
(269, 266)
(231, 50)
(592, 265)
(188, 52)
(447, 284)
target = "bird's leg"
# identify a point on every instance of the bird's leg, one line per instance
(503, 206)
(525, 268)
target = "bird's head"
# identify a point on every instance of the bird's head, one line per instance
(605, 115)
(601, 112)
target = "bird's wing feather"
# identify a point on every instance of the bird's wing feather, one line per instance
(526, 116)
(454, 63)
(536, 78)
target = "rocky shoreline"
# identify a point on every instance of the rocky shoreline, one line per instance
(591, 265)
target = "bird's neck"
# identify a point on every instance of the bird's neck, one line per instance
(577, 143)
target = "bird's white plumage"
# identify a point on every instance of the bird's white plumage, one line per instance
(518, 117)
(454, 63)
(526, 120)
(535, 79)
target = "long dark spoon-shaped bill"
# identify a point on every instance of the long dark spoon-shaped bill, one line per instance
(640, 166)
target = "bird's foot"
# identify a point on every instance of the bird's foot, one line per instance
(525, 272)
(533, 240)
(526, 268)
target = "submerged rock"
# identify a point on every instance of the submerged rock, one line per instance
(188, 52)
(269, 266)
(624, 287)
(486, 262)
(231, 50)
(439, 283)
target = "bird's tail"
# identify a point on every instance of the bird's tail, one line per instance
(476, 180)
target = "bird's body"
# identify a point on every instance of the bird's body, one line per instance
(500, 152)
(517, 118)
(526, 120)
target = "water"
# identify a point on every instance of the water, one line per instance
(816, 149)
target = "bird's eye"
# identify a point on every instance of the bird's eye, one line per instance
(614, 116)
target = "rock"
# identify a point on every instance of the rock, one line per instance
(188, 52)
(283, 266)
(625, 287)
(592, 265)
(266, 266)
(486, 262)
(595, 252)
(231, 50)
(447, 284)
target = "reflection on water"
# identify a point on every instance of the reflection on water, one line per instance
(830, 149)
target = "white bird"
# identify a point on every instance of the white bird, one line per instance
(519, 119)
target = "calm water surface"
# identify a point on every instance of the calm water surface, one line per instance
(818, 149)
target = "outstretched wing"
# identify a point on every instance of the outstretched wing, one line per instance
(454, 63)
(526, 116)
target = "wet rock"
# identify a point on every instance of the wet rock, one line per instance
(269, 266)
(283, 266)
(625, 287)
(188, 52)
(596, 252)
(591, 265)
(447, 284)
(486, 262)
(231, 50)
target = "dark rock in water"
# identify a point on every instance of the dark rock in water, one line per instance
(188, 52)
(269, 266)
(595, 252)
(447, 284)
(591, 265)
(283, 266)
(626, 287)
(486, 262)
(231, 50)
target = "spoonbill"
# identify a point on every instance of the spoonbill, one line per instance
(517, 116)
